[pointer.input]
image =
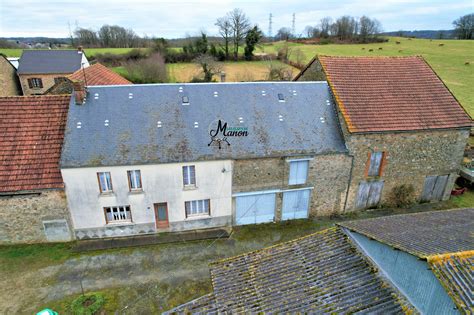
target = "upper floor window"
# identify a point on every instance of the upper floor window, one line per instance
(375, 163)
(134, 180)
(197, 207)
(105, 182)
(298, 172)
(118, 214)
(35, 83)
(189, 175)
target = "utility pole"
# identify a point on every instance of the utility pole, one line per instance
(293, 25)
(270, 27)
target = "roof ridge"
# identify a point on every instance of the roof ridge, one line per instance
(443, 257)
(324, 231)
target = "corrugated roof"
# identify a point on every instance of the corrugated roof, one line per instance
(456, 273)
(319, 273)
(149, 123)
(98, 74)
(49, 61)
(421, 234)
(377, 94)
(32, 132)
(204, 305)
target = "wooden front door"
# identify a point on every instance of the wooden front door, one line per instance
(434, 188)
(161, 215)
(369, 194)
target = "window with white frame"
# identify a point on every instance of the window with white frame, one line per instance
(189, 175)
(134, 180)
(105, 182)
(118, 214)
(197, 207)
(298, 172)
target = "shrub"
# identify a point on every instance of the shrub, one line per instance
(150, 70)
(88, 304)
(402, 196)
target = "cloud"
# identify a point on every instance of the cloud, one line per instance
(176, 18)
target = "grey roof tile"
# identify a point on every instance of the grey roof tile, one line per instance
(305, 123)
(49, 61)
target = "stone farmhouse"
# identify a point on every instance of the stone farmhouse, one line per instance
(9, 83)
(39, 70)
(140, 159)
(401, 125)
(413, 263)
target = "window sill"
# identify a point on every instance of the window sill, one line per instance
(190, 187)
(107, 194)
(136, 192)
(197, 217)
(119, 223)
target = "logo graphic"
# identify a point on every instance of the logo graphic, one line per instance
(220, 132)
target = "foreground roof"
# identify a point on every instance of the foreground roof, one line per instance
(456, 273)
(49, 61)
(421, 234)
(377, 94)
(98, 74)
(319, 273)
(30, 142)
(145, 124)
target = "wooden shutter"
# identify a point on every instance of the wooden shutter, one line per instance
(40, 83)
(30, 83)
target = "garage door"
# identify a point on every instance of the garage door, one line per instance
(254, 209)
(295, 204)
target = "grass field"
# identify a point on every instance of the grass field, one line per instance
(448, 60)
(235, 71)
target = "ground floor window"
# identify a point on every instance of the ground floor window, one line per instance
(118, 214)
(197, 207)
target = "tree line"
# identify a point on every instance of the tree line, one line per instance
(108, 36)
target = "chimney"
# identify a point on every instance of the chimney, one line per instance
(79, 49)
(79, 92)
(222, 76)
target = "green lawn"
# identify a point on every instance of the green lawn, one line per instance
(448, 61)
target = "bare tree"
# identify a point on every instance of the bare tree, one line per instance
(345, 27)
(225, 30)
(209, 65)
(368, 28)
(86, 37)
(279, 72)
(283, 33)
(464, 26)
(240, 24)
(325, 26)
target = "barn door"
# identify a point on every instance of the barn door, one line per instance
(295, 204)
(369, 194)
(434, 188)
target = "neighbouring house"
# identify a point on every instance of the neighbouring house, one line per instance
(33, 204)
(414, 263)
(39, 70)
(171, 157)
(9, 83)
(400, 123)
(95, 74)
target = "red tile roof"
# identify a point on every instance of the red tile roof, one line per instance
(32, 132)
(377, 94)
(98, 74)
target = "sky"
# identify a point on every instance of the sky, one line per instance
(174, 19)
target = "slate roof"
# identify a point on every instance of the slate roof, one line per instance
(32, 132)
(381, 94)
(204, 305)
(421, 234)
(308, 123)
(456, 273)
(319, 273)
(98, 74)
(49, 61)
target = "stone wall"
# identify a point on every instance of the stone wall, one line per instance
(34, 218)
(9, 84)
(328, 174)
(48, 82)
(410, 157)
